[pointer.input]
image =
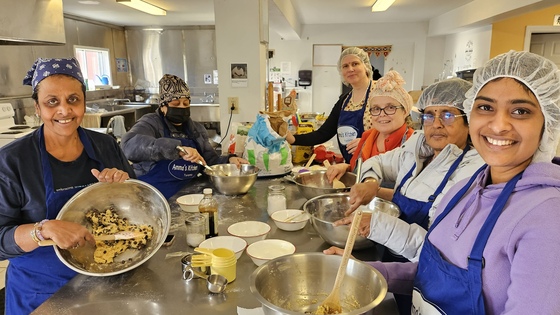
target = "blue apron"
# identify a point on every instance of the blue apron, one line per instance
(414, 211)
(169, 176)
(443, 288)
(33, 277)
(350, 125)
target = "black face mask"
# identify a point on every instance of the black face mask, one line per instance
(178, 115)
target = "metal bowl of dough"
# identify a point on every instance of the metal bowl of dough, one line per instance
(315, 183)
(326, 209)
(135, 200)
(299, 283)
(230, 180)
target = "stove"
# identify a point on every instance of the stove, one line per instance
(9, 131)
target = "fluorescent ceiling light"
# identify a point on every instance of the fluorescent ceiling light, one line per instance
(381, 5)
(143, 6)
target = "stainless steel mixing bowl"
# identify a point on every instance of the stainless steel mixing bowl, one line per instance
(298, 283)
(238, 180)
(326, 209)
(141, 203)
(315, 183)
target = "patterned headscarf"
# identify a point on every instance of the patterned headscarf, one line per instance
(43, 68)
(171, 88)
(391, 85)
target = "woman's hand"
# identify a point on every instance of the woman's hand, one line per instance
(336, 171)
(363, 228)
(290, 137)
(352, 145)
(361, 194)
(66, 234)
(237, 161)
(192, 155)
(110, 175)
(333, 250)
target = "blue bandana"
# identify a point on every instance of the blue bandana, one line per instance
(43, 68)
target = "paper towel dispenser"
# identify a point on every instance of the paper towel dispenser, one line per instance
(304, 77)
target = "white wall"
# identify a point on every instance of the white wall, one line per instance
(467, 50)
(408, 52)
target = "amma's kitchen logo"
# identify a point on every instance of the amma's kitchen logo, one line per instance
(469, 50)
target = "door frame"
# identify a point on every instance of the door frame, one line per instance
(537, 29)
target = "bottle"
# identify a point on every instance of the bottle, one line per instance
(276, 198)
(209, 208)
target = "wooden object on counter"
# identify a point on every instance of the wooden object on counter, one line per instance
(270, 97)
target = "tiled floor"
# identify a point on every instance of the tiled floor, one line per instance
(3, 266)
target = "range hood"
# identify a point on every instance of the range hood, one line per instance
(32, 22)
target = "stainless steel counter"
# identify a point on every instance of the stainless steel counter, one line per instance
(156, 287)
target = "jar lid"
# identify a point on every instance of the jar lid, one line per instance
(276, 187)
(207, 191)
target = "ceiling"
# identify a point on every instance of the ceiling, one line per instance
(201, 12)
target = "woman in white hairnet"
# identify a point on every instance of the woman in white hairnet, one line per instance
(346, 120)
(494, 245)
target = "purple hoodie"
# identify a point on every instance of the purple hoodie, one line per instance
(522, 255)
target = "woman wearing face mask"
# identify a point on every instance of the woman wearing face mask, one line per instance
(151, 144)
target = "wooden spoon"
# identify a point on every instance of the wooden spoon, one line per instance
(336, 184)
(331, 305)
(310, 161)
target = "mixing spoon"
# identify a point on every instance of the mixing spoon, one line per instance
(331, 305)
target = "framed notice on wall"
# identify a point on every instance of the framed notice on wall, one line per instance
(326, 55)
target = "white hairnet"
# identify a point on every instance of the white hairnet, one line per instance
(361, 54)
(541, 76)
(450, 92)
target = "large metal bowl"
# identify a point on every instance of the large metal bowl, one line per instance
(326, 209)
(135, 200)
(299, 283)
(315, 183)
(238, 180)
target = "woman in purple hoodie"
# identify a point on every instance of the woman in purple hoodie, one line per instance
(494, 246)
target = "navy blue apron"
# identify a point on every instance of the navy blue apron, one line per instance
(443, 288)
(33, 277)
(414, 211)
(350, 125)
(169, 176)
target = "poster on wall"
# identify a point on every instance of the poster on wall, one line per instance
(238, 75)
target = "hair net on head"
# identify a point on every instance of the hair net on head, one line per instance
(391, 85)
(361, 54)
(450, 92)
(541, 76)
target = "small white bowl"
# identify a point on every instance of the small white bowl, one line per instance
(298, 221)
(189, 203)
(250, 231)
(265, 250)
(233, 243)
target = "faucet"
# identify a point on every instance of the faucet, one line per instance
(117, 101)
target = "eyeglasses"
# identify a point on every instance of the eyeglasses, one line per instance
(446, 118)
(388, 110)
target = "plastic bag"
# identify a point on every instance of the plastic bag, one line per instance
(266, 148)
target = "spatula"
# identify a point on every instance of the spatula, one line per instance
(331, 305)
(124, 235)
(215, 172)
(336, 184)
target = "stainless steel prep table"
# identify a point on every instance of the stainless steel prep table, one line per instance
(156, 287)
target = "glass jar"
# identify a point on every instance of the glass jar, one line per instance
(196, 229)
(276, 198)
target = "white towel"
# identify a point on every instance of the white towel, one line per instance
(116, 125)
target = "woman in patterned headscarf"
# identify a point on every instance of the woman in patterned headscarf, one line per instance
(39, 173)
(166, 147)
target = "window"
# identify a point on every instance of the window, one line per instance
(95, 65)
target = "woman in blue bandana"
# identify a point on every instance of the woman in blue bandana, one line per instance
(39, 173)
(151, 144)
